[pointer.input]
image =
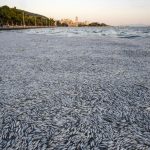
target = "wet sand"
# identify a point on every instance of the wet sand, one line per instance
(59, 92)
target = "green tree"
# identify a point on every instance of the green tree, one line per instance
(14, 16)
(51, 22)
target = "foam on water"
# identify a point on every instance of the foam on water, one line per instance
(119, 32)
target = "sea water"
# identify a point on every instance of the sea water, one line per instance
(119, 32)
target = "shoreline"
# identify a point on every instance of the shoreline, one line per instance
(37, 27)
(23, 28)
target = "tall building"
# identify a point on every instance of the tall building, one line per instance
(76, 21)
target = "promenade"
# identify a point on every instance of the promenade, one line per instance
(22, 27)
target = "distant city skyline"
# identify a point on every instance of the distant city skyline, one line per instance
(113, 12)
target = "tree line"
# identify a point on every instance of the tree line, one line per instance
(13, 16)
(17, 17)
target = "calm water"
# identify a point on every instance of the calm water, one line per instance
(119, 32)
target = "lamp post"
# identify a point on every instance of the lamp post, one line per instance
(23, 20)
(46, 21)
(35, 20)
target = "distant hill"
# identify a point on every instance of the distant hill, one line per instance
(13, 16)
(96, 24)
(32, 14)
(137, 25)
(93, 24)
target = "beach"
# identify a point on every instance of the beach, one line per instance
(70, 89)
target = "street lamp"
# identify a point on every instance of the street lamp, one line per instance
(23, 20)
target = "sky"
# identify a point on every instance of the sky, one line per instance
(112, 12)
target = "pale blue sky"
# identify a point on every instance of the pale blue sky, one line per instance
(114, 12)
